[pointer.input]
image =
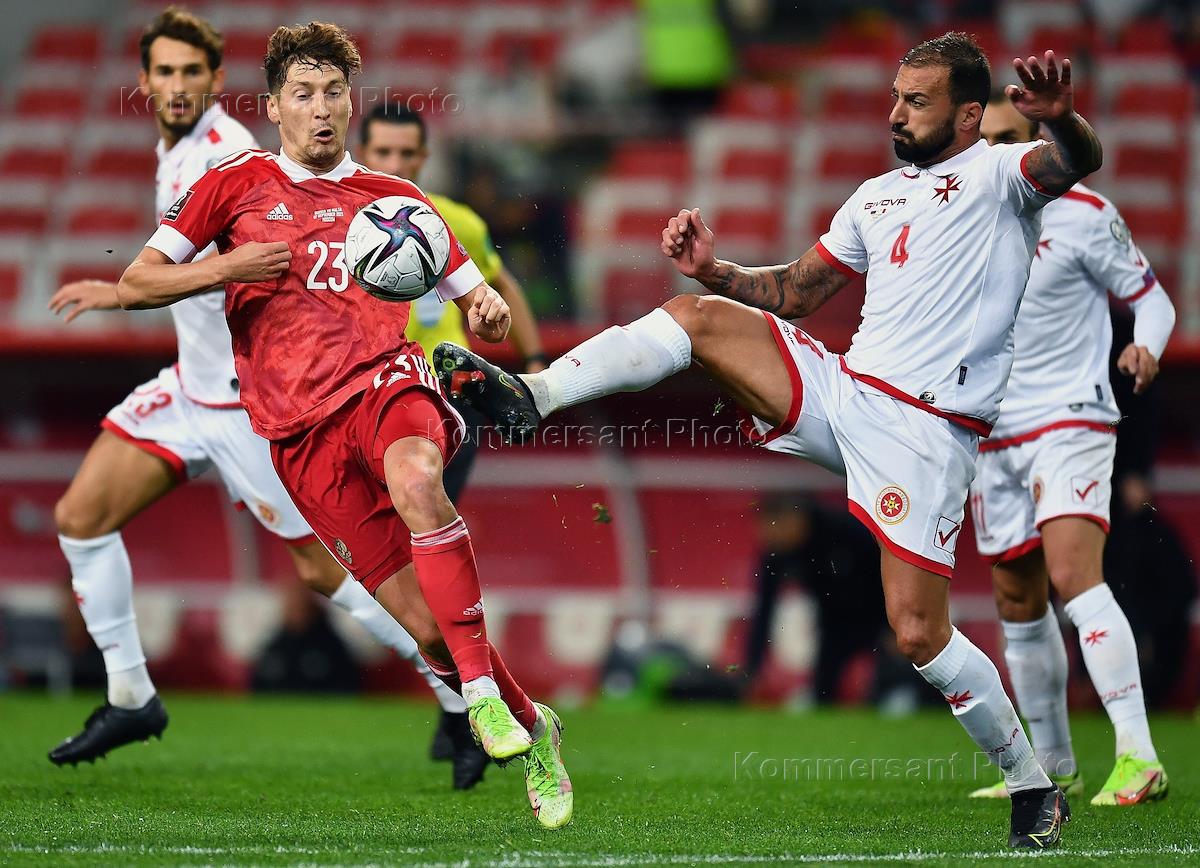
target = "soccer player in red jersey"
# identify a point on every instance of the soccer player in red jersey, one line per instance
(359, 429)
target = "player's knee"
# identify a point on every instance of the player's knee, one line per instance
(318, 576)
(1018, 609)
(416, 488)
(920, 639)
(695, 314)
(1071, 578)
(77, 519)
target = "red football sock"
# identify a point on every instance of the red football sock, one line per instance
(449, 581)
(514, 697)
(449, 677)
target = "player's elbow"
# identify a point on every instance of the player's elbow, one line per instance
(127, 295)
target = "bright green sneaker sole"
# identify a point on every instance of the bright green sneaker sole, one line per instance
(1071, 785)
(497, 731)
(1133, 782)
(550, 792)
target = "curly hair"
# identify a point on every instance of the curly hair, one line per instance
(316, 43)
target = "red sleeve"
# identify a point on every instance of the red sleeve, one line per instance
(204, 211)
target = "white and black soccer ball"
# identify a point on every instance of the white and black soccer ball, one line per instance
(397, 248)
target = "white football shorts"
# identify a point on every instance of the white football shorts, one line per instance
(160, 419)
(907, 470)
(1022, 482)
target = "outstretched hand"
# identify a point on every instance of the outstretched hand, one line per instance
(83, 295)
(1045, 94)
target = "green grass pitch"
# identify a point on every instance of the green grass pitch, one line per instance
(346, 781)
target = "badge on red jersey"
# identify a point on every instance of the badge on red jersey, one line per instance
(173, 211)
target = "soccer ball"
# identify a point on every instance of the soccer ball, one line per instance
(397, 248)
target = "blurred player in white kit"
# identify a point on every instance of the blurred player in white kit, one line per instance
(1041, 493)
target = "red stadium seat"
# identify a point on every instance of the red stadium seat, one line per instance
(67, 43)
(637, 224)
(508, 49)
(877, 39)
(662, 161)
(36, 102)
(115, 162)
(106, 219)
(1147, 36)
(245, 45)
(854, 103)
(104, 269)
(48, 164)
(744, 164)
(25, 219)
(1176, 101)
(12, 275)
(1147, 161)
(1157, 223)
(1070, 42)
(853, 164)
(629, 292)
(761, 225)
(442, 49)
(759, 101)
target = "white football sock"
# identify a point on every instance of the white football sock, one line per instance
(1110, 654)
(477, 688)
(971, 684)
(357, 600)
(103, 582)
(1037, 664)
(619, 359)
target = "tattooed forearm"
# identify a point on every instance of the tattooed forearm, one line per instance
(1074, 154)
(789, 291)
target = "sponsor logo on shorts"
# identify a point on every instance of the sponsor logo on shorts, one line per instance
(892, 505)
(342, 551)
(946, 533)
(1084, 490)
(268, 515)
(1038, 488)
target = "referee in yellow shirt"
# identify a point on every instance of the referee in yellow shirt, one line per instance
(395, 141)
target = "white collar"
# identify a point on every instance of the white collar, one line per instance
(207, 121)
(949, 166)
(297, 173)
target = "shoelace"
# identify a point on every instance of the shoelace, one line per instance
(547, 786)
(491, 715)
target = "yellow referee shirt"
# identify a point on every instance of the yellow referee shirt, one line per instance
(432, 321)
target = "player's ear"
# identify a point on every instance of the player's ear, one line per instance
(218, 85)
(972, 116)
(143, 83)
(273, 108)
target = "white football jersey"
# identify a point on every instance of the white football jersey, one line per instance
(205, 347)
(1064, 334)
(946, 250)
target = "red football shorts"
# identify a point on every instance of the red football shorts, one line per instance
(334, 470)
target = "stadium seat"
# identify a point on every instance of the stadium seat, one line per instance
(37, 102)
(629, 292)
(759, 101)
(17, 219)
(640, 224)
(442, 49)
(43, 163)
(1176, 101)
(508, 49)
(743, 223)
(880, 39)
(1146, 36)
(855, 103)
(1134, 160)
(853, 164)
(752, 164)
(661, 161)
(1148, 223)
(136, 163)
(67, 43)
(107, 220)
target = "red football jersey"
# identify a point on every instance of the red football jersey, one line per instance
(306, 343)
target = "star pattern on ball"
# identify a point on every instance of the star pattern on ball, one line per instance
(399, 227)
(951, 182)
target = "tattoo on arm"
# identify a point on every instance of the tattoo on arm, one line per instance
(1075, 153)
(788, 291)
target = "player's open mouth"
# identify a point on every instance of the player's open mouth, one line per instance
(323, 136)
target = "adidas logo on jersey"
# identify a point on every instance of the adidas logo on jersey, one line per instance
(279, 212)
